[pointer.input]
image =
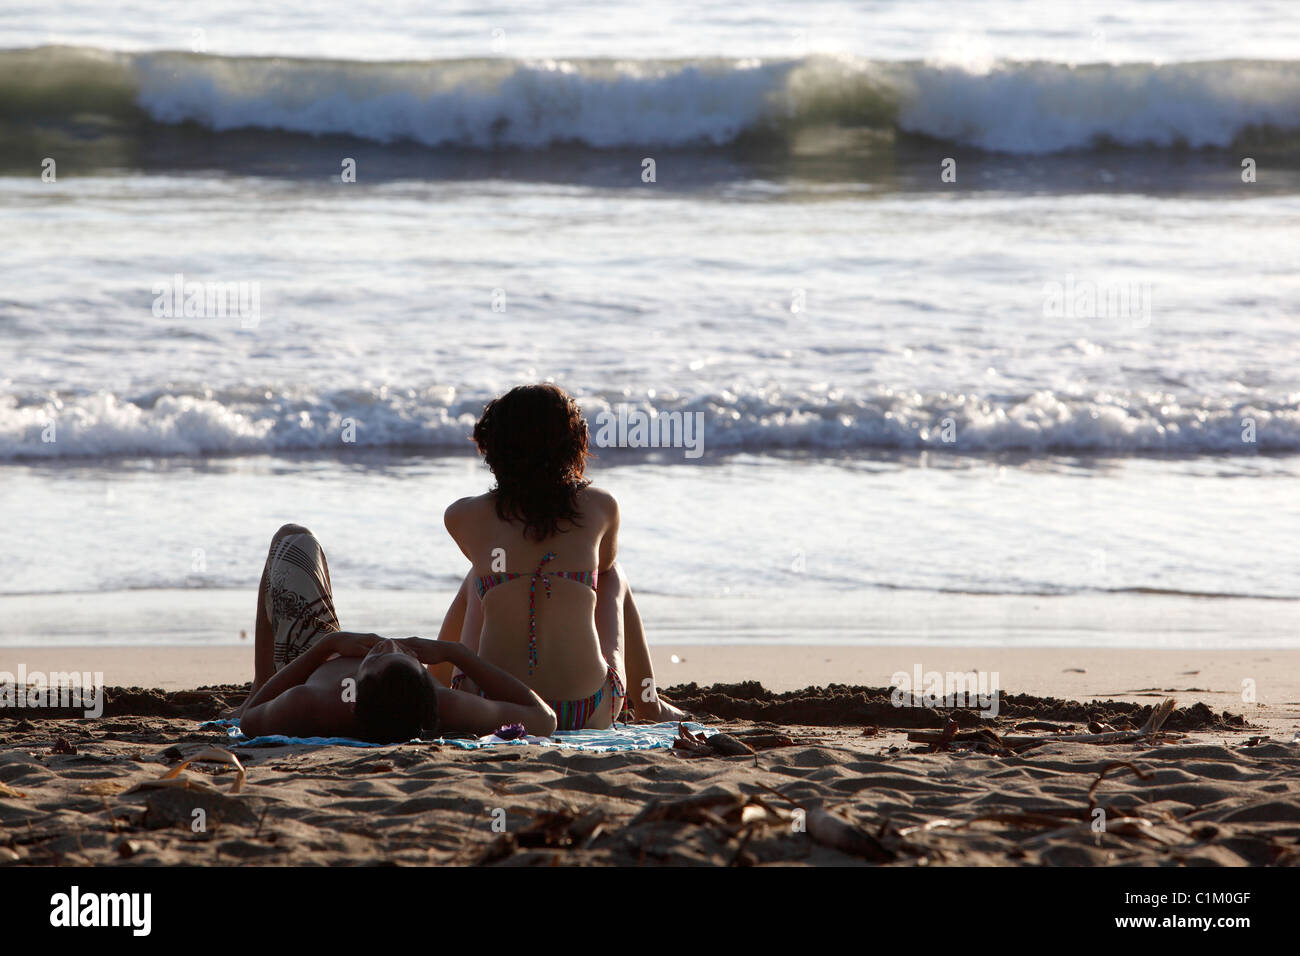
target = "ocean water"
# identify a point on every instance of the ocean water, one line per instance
(971, 303)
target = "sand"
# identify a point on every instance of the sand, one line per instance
(1224, 790)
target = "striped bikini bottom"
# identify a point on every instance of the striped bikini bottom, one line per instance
(574, 714)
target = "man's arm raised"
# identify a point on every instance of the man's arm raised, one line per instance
(261, 715)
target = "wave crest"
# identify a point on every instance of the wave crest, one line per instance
(1014, 107)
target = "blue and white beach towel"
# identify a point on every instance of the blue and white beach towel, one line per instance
(617, 738)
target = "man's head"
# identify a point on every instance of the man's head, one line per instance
(397, 700)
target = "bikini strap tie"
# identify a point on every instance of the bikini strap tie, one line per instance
(532, 608)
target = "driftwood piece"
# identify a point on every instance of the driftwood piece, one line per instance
(949, 731)
(690, 744)
(1151, 729)
(728, 746)
(716, 745)
(766, 741)
(1044, 725)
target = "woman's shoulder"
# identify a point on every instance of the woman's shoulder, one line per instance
(466, 508)
(598, 500)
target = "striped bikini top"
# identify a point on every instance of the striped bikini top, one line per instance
(489, 581)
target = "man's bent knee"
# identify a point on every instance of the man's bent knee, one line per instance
(288, 529)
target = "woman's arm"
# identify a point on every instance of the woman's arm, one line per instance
(469, 713)
(492, 680)
(609, 538)
(510, 700)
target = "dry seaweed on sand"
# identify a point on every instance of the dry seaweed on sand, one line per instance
(1117, 765)
(830, 830)
(1157, 826)
(174, 778)
(726, 816)
(564, 828)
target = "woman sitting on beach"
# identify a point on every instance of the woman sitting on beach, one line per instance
(311, 679)
(544, 599)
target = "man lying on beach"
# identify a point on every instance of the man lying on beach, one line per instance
(312, 679)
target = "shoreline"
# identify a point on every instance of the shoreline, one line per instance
(1214, 678)
(199, 618)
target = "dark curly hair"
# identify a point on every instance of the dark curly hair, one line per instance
(534, 439)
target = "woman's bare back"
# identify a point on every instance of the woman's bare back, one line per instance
(569, 663)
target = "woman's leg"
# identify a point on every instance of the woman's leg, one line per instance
(623, 641)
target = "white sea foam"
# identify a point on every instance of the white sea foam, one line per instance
(105, 425)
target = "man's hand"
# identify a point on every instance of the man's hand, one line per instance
(433, 652)
(352, 645)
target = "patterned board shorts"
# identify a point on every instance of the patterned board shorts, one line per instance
(299, 601)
